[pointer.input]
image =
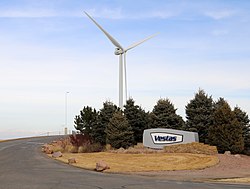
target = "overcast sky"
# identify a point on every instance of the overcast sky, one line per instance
(49, 47)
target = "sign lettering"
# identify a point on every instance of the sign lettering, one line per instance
(166, 138)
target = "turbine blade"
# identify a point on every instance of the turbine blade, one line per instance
(106, 33)
(140, 42)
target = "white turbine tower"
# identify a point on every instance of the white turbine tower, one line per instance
(122, 56)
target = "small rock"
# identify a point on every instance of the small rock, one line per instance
(57, 154)
(120, 150)
(237, 155)
(227, 153)
(101, 166)
(44, 148)
(71, 160)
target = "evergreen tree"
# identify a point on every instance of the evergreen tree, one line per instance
(84, 122)
(78, 123)
(105, 114)
(137, 118)
(242, 117)
(119, 132)
(164, 116)
(199, 114)
(226, 131)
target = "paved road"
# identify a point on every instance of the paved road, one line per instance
(23, 166)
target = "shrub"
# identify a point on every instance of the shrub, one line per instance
(88, 148)
(139, 146)
(83, 149)
(57, 148)
(71, 149)
(194, 148)
(108, 147)
(79, 139)
(96, 147)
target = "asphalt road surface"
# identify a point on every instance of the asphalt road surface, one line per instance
(23, 166)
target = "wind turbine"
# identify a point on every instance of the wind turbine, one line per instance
(119, 50)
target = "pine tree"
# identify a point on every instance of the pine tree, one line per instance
(78, 123)
(105, 114)
(119, 132)
(137, 118)
(84, 122)
(199, 114)
(242, 117)
(226, 131)
(164, 116)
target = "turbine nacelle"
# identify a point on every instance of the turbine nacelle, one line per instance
(118, 51)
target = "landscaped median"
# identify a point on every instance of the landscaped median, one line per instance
(124, 163)
(191, 156)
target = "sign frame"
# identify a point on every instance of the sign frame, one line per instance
(165, 140)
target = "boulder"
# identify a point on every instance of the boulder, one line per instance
(227, 153)
(71, 160)
(101, 166)
(57, 154)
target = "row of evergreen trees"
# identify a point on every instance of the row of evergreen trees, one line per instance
(216, 123)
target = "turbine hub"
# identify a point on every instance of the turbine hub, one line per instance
(118, 51)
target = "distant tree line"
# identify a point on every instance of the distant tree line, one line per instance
(216, 123)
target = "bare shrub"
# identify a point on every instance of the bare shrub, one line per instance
(96, 147)
(79, 139)
(108, 147)
(57, 148)
(71, 149)
(82, 149)
(139, 146)
(137, 149)
(88, 148)
(75, 144)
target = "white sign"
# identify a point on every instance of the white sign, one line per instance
(166, 138)
(157, 138)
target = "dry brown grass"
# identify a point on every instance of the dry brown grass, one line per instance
(194, 148)
(142, 162)
(236, 180)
